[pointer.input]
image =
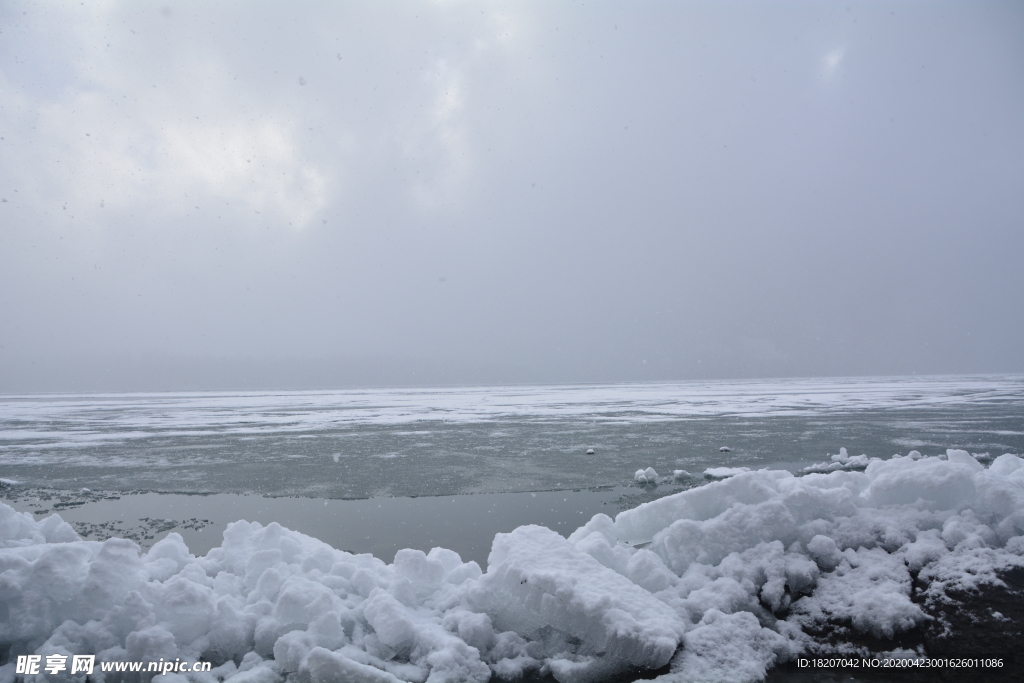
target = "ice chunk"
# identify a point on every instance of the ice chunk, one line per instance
(1006, 464)
(648, 571)
(20, 529)
(585, 669)
(324, 666)
(964, 458)
(601, 523)
(536, 578)
(640, 524)
(936, 483)
(646, 476)
(723, 472)
(613, 555)
(841, 461)
(742, 526)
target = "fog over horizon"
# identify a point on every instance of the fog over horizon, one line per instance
(324, 195)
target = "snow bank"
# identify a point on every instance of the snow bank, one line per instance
(735, 576)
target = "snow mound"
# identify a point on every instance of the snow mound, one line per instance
(733, 577)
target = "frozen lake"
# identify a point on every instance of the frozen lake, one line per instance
(451, 441)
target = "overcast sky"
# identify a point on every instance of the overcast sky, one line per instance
(244, 195)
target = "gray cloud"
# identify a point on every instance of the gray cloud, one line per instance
(234, 195)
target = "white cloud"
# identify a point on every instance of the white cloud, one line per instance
(439, 141)
(831, 61)
(141, 135)
(255, 163)
(153, 109)
(439, 137)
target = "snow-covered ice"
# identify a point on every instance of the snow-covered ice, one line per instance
(719, 582)
(362, 443)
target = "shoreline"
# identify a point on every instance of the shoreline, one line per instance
(909, 558)
(380, 526)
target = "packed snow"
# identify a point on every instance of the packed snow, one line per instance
(719, 582)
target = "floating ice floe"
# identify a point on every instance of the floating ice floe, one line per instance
(724, 449)
(845, 461)
(646, 476)
(841, 461)
(724, 472)
(736, 576)
(681, 474)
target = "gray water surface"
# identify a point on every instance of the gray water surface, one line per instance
(466, 524)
